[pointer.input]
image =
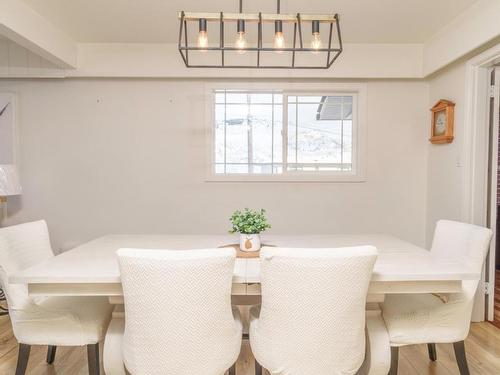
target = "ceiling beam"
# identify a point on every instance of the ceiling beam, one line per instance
(22, 25)
(162, 60)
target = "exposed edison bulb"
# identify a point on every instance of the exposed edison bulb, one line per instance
(202, 40)
(316, 43)
(241, 43)
(279, 41)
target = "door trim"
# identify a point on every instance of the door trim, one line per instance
(475, 155)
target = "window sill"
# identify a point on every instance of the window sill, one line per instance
(325, 178)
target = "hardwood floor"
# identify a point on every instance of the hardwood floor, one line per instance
(483, 351)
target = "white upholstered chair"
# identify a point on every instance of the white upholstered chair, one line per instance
(54, 321)
(430, 319)
(312, 317)
(178, 315)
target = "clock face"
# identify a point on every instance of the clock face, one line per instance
(440, 123)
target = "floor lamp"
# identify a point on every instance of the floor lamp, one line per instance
(9, 185)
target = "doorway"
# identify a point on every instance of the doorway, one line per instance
(493, 260)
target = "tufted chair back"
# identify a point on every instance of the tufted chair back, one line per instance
(178, 311)
(312, 318)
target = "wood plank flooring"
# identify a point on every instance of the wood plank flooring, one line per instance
(483, 351)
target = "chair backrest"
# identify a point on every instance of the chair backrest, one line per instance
(313, 308)
(178, 310)
(463, 242)
(469, 244)
(21, 246)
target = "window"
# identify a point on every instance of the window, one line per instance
(285, 134)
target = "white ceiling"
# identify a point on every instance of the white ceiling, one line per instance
(154, 21)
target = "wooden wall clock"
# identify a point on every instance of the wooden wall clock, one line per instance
(442, 122)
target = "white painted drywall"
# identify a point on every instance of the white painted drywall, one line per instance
(128, 156)
(445, 164)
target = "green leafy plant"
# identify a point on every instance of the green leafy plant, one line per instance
(249, 221)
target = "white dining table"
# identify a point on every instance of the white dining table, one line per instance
(92, 270)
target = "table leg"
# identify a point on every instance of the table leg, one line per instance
(112, 352)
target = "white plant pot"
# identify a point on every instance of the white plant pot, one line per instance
(249, 242)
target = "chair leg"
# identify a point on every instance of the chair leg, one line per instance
(93, 359)
(232, 370)
(461, 357)
(432, 352)
(394, 360)
(258, 368)
(51, 354)
(22, 359)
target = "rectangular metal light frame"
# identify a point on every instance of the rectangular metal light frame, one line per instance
(260, 18)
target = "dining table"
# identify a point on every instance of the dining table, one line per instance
(91, 269)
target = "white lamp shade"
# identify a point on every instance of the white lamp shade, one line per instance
(9, 180)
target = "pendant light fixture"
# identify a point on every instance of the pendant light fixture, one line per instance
(316, 38)
(202, 34)
(279, 39)
(241, 41)
(284, 24)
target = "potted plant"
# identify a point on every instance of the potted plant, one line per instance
(249, 224)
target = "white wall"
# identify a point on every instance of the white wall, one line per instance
(445, 164)
(128, 156)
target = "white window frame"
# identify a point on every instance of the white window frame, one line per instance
(358, 90)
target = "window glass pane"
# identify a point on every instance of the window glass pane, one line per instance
(330, 108)
(236, 97)
(278, 134)
(260, 124)
(310, 99)
(219, 133)
(219, 97)
(262, 168)
(317, 141)
(278, 98)
(261, 98)
(237, 134)
(347, 145)
(219, 168)
(335, 108)
(277, 169)
(347, 103)
(292, 133)
(292, 99)
(237, 168)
